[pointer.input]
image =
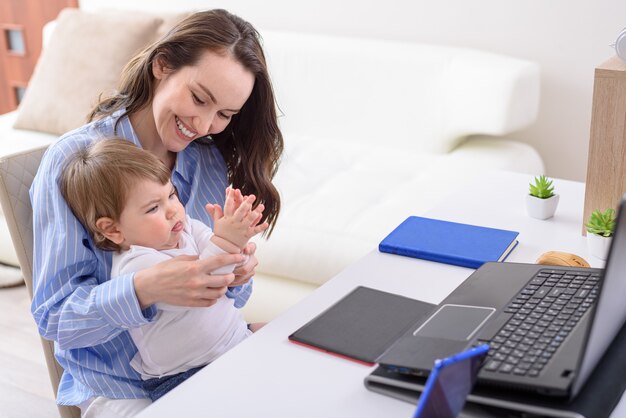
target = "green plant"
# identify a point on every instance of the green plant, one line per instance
(601, 223)
(542, 188)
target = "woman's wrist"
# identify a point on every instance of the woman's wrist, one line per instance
(142, 289)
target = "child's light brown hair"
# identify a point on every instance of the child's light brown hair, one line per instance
(96, 181)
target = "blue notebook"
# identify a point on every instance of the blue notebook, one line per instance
(449, 242)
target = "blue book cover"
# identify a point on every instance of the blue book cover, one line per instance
(449, 242)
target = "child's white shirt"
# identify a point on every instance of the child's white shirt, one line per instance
(181, 338)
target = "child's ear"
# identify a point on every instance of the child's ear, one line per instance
(108, 228)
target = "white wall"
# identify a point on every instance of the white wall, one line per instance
(569, 38)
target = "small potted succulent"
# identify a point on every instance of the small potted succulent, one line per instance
(600, 231)
(541, 202)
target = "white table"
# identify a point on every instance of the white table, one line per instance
(267, 376)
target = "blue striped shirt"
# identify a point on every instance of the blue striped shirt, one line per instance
(75, 302)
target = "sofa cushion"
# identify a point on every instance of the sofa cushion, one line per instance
(84, 58)
(339, 198)
(14, 141)
(418, 97)
(273, 295)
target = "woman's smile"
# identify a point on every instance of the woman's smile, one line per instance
(184, 130)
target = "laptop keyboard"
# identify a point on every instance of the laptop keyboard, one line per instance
(544, 313)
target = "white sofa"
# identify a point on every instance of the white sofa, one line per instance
(374, 131)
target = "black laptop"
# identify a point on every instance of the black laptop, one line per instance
(547, 326)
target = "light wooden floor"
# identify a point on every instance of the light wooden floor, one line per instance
(25, 389)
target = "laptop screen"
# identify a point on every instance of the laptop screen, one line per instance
(610, 310)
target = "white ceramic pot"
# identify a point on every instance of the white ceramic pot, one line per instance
(541, 208)
(598, 245)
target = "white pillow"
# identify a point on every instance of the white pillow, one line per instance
(83, 59)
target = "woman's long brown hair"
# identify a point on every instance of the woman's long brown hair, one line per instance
(252, 142)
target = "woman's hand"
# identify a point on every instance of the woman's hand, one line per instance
(245, 272)
(186, 280)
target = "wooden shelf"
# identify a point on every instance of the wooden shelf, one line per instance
(606, 165)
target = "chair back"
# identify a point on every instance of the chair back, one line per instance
(17, 172)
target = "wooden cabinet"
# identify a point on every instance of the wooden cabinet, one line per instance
(21, 22)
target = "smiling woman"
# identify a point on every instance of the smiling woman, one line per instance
(206, 76)
(214, 61)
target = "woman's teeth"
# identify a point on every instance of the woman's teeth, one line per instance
(184, 130)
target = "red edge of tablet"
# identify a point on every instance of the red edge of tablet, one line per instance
(365, 363)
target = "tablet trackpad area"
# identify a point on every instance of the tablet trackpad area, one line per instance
(455, 322)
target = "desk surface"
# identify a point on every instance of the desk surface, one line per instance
(267, 376)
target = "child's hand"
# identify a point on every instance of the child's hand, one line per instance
(238, 222)
(234, 198)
